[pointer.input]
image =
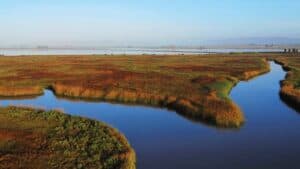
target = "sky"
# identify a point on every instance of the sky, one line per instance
(141, 22)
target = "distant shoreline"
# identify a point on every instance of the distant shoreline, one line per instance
(131, 51)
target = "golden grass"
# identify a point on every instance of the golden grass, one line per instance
(290, 87)
(194, 86)
(11, 91)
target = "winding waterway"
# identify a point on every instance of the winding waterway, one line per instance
(164, 140)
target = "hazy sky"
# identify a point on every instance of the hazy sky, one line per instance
(144, 22)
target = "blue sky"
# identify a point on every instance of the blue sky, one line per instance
(125, 22)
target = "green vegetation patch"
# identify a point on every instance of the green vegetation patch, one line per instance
(223, 88)
(31, 138)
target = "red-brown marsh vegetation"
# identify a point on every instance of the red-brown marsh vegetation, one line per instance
(195, 86)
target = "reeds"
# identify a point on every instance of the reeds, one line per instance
(220, 112)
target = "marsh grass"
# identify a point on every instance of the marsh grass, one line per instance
(34, 138)
(191, 85)
(12, 91)
(290, 89)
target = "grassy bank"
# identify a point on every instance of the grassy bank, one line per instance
(31, 138)
(194, 86)
(290, 87)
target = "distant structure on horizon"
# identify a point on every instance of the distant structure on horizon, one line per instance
(42, 47)
(291, 51)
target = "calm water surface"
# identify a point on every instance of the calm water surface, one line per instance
(164, 140)
(127, 51)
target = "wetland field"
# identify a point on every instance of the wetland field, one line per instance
(150, 111)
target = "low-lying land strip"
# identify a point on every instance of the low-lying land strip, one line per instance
(290, 87)
(194, 86)
(31, 138)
